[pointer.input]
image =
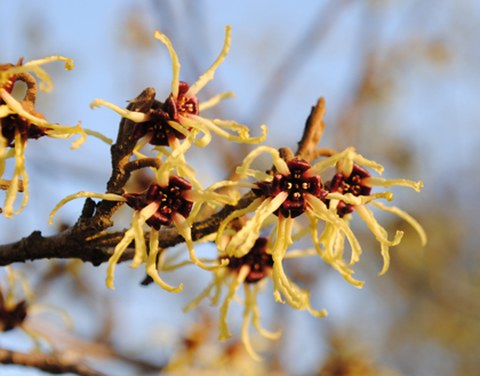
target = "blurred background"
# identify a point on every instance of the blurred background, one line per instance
(400, 79)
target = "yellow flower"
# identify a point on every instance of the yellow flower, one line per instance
(179, 115)
(14, 311)
(295, 188)
(249, 271)
(173, 201)
(19, 122)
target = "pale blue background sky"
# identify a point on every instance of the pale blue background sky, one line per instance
(434, 110)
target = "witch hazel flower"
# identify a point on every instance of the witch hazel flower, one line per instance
(169, 201)
(19, 122)
(18, 304)
(249, 271)
(287, 195)
(179, 115)
(350, 191)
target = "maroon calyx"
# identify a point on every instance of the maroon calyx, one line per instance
(297, 184)
(257, 259)
(11, 317)
(158, 129)
(171, 200)
(15, 123)
(349, 184)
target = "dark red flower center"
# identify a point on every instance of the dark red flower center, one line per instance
(354, 184)
(257, 259)
(12, 317)
(171, 200)
(297, 184)
(158, 128)
(15, 123)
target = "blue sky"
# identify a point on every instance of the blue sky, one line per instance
(434, 110)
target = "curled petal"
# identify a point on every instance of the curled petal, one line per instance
(175, 62)
(294, 295)
(376, 181)
(209, 74)
(53, 130)
(183, 228)
(250, 301)
(19, 171)
(152, 266)
(244, 169)
(219, 276)
(117, 253)
(351, 199)
(236, 282)
(134, 233)
(333, 241)
(251, 312)
(318, 209)
(380, 234)
(136, 117)
(34, 66)
(197, 126)
(222, 229)
(406, 217)
(346, 158)
(242, 130)
(4, 112)
(84, 194)
(243, 241)
(212, 102)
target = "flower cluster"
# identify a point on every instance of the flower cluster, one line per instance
(294, 189)
(175, 197)
(290, 202)
(19, 122)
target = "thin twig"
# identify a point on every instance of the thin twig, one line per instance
(51, 363)
(313, 132)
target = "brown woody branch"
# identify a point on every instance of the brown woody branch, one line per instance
(88, 241)
(51, 363)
